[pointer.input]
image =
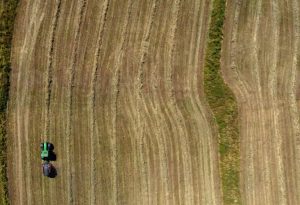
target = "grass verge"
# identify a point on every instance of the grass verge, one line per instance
(7, 16)
(224, 107)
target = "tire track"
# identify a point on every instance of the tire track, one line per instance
(70, 99)
(92, 98)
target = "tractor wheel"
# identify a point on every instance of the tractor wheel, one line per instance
(50, 147)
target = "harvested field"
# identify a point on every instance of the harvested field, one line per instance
(117, 87)
(261, 64)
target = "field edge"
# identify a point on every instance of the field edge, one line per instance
(7, 17)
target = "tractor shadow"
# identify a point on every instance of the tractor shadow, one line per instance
(53, 173)
(52, 156)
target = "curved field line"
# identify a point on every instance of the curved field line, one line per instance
(161, 134)
(50, 67)
(267, 190)
(274, 99)
(174, 115)
(92, 98)
(258, 81)
(138, 89)
(173, 108)
(81, 12)
(209, 189)
(240, 86)
(28, 43)
(194, 98)
(48, 82)
(166, 168)
(213, 194)
(269, 118)
(114, 107)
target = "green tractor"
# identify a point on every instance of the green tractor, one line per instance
(46, 150)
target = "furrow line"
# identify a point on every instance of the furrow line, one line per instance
(139, 87)
(166, 143)
(240, 87)
(162, 114)
(50, 67)
(162, 154)
(194, 78)
(173, 108)
(70, 145)
(195, 101)
(255, 49)
(184, 139)
(145, 48)
(177, 139)
(48, 83)
(169, 72)
(26, 101)
(19, 99)
(274, 100)
(152, 197)
(251, 181)
(92, 99)
(114, 105)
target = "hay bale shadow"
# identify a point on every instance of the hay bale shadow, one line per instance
(53, 173)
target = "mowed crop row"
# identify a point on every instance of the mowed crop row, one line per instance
(261, 65)
(117, 87)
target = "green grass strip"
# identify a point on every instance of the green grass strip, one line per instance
(7, 16)
(224, 107)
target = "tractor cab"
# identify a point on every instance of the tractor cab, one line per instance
(46, 148)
